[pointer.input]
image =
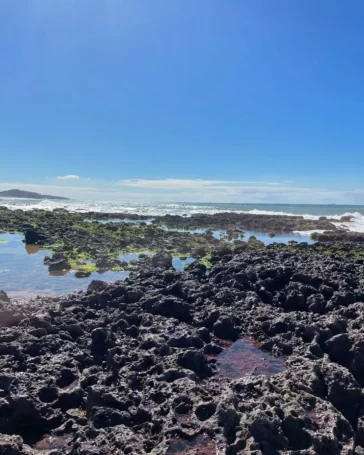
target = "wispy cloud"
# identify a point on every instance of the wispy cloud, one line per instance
(187, 184)
(184, 190)
(68, 177)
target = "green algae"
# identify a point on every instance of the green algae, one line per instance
(75, 266)
(82, 241)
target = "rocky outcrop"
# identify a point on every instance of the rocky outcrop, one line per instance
(136, 366)
(57, 263)
(34, 237)
(338, 236)
(4, 298)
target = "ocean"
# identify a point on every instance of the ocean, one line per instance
(309, 211)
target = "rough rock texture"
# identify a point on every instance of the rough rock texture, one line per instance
(133, 367)
(338, 236)
(4, 298)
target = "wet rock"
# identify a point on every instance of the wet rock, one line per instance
(57, 263)
(162, 260)
(105, 263)
(199, 252)
(34, 237)
(196, 268)
(97, 285)
(346, 219)
(81, 274)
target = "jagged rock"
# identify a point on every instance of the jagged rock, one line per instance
(33, 237)
(225, 328)
(136, 366)
(196, 268)
(196, 361)
(57, 263)
(162, 260)
(10, 445)
(81, 274)
(4, 297)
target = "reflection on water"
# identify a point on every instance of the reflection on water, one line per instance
(264, 237)
(49, 443)
(23, 273)
(279, 238)
(32, 249)
(191, 231)
(202, 445)
(177, 262)
(221, 234)
(244, 357)
(121, 220)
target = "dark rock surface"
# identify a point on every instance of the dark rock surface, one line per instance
(272, 224)
(338, 236)
(57, 263)
(133, 367)
(4, 298)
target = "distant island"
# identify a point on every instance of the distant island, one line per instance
(29, 195)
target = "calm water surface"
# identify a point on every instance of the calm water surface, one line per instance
(23, 274)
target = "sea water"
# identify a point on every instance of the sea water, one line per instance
(308, 211)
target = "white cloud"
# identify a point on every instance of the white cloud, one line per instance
(193, 191)
(68, 177)
(187, 184)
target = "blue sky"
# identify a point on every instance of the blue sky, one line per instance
(210, 100)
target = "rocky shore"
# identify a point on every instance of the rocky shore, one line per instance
(85, 243)
(263, 355)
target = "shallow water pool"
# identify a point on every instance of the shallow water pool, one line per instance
(244, 357)
(23, 274)
(177, 262)
(265, 238)
(121, 220)
(221, 234)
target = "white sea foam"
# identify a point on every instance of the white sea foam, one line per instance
(159, 209)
